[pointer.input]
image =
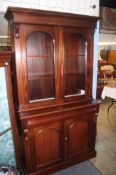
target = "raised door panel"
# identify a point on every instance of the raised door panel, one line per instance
(78, 136)
(48, 144)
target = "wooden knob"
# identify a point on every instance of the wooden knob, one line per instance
(65, 138)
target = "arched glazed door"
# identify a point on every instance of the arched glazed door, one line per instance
(75, 64)
(40, 65)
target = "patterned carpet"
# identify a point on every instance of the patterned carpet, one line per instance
(8, 170)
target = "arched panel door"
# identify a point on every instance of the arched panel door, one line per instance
(75, 65)
(78, 136)
(48, 143)
(40, 66)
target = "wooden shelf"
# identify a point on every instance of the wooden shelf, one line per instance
(34, 77)
(75, 55)
(39, 56)
(74, 72)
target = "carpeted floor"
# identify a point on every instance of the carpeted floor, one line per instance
(84, 168)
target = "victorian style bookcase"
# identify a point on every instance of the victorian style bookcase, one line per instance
(52, 86)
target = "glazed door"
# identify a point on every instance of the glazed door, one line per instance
(39, 64)
(44, 146)
(78, 136)
(75, 63)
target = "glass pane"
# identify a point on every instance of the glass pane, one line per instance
(40, 62)
(75, 65)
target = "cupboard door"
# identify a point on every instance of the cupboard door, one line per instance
(75, 63)
(46, 145)
(77, 136)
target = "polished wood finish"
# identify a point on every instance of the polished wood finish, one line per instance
(53, 68)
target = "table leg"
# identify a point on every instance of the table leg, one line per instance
(110, 105)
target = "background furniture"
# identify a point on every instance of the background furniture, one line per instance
(52, 86)
(8, 129)
(112, 56)
(106, 72)
(109, 92)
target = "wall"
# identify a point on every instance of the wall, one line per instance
(4, 38)
(107, 29)
(72, 6)
(95, 62)
(107, 41)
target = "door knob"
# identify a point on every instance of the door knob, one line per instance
(66, 138)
